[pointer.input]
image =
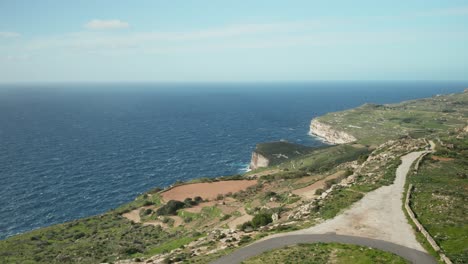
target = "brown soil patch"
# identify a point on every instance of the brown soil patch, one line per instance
(309, 191)
(441, 158)
(206, 190)
(307, 179)
(239, 220)
(134, 215)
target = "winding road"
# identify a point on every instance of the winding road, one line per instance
(376, 221)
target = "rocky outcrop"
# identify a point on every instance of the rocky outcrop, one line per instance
(329, 134)
(258, 161)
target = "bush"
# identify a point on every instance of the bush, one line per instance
(170, 208)
(225, 217)
(244, 239)
(329, 183)
(198, 199)
(319, 191)
(189, 202)
(261, 219)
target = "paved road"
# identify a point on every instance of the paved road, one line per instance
(413, 255)
(375, 221)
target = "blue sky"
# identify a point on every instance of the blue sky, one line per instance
(66, 41)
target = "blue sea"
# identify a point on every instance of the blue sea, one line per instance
(75, 150)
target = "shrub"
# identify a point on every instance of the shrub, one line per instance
(189, 202)
(319, 191)
(261, 219)
(329, 183)
(244, 239)
(198, 199)
(170, 208)
(362, 158)
(225, 217)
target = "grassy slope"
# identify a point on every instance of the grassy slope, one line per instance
(277, 152)
(319, 159)
(326, 253)
(440, 198)
(375, 124)
(101, 238)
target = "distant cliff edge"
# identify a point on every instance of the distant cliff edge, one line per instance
(273, 153)
(330, 134)
(258, 161)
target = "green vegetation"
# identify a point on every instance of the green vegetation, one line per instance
(91, 240)
(259, 220)
(337, 201)
(366, 184)
(375, 124)
(168, 246)
(326, 253)
(319, 160)
(149, 198)
(440, 199)
(170, 208)
(278, 152)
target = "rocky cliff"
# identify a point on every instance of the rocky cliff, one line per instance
(329, 134)
(258, 161)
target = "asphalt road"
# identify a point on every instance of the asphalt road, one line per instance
(413, 255)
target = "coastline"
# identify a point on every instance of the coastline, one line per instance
(321, 139)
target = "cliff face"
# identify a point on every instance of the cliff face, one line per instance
(258, 161)
(329, 133)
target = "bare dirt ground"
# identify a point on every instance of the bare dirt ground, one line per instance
(208, 190)
(134, 215)
(308, 192)
(379, 215)
(239, 220)
(441, 158)
(377, 220)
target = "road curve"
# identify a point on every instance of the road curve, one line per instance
(390, 240)
(412, 255)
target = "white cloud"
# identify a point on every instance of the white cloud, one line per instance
(5, 34)
(97, 24)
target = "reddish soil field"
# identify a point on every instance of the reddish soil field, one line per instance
(441, 158)
(206, 190)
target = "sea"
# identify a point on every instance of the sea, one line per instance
(69, 151)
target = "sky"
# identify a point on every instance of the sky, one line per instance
(224, 41)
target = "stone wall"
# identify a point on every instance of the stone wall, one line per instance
(421, 228)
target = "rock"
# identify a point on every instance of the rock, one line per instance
(330, 134)
(258, 161)
(275, 217)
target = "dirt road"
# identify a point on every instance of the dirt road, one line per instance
(377, 219)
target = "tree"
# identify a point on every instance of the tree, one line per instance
(170, 208)
(261, 219)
